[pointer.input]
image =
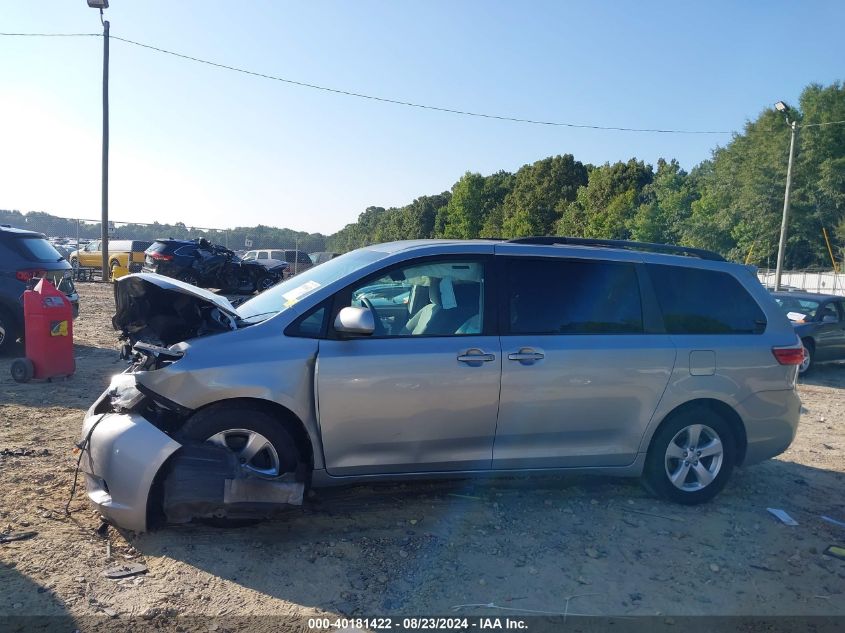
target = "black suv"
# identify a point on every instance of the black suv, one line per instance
(170, 257)
(23, 256)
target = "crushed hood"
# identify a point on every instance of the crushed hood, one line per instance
(164, 311)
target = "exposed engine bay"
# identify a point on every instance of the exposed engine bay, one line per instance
(162, 311)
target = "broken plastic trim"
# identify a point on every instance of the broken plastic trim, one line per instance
(205, 481)
(164, 402)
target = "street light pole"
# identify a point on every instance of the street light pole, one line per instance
(104, 227)
(785, 220)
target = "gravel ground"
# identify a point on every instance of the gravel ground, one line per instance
(592, 546)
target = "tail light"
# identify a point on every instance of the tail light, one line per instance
(789, 355)
(28, 273)
(160, 257)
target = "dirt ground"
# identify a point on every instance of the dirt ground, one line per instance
(594, 546)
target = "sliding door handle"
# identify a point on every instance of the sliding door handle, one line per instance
(476, 356)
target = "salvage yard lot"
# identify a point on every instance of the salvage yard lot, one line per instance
(594, 546)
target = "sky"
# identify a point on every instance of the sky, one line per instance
(217, 149)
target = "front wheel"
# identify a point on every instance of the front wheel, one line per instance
(8, 330)
(266, 282)
(262, 445)
(691, 457)
(113, 268)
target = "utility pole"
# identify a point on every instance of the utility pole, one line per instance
(104, 220)
(104, 226)
(782, 107)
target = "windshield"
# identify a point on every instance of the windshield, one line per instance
(798, 310)
(287, 293)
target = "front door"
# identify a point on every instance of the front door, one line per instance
(421, 393)
(580, 378)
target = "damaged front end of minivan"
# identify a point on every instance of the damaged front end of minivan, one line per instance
(139, 469)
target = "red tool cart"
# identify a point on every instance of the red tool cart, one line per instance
(48, 333)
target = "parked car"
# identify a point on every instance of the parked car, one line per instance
(819, 321)
(322, 256)
(200, 263)
(298, 261)
(128, 254)
(25, 255)
(550, 354)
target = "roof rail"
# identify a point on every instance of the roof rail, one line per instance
(668, 249)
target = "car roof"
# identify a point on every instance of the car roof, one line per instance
(20, 232)
(812, 296)
(620, 248)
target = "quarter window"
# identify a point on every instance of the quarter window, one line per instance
(698, 301)
(555, 296)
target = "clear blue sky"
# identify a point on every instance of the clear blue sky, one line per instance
(214, 148)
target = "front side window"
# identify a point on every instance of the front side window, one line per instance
(699, 301)
(263, 255)
(280, 255)
(557, 296)
(439, 298)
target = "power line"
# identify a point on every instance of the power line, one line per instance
(360, 95)
(52, 34)
(411, 104)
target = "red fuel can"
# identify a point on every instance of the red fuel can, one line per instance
(48, 327)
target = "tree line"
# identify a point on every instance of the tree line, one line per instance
(730, 203)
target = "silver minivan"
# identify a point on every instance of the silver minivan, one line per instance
(438, 358)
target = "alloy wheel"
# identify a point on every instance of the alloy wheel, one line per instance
(694, 457)
(805, 362)
(254, 451)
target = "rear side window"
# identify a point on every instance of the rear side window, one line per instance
(263, 255)
(186, 251)
(157, 247)
(302, 258)
(696, 301)
(556, 296)
(35, 249)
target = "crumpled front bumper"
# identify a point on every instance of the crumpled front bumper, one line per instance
(120, 462)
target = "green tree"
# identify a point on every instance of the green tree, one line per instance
(540, 193)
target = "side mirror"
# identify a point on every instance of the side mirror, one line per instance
(829, 318)
(355, 321)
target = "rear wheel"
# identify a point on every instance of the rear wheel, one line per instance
(189, 277)
(112, 268)
(691, 457)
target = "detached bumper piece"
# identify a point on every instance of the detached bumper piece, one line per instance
(204, 481)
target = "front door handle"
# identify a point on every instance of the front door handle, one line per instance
(476, 356)
(526, 354)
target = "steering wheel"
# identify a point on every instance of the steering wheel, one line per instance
(379, 326)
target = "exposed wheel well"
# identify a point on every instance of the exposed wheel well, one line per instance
(724, 411)
(286, 418)
(809, 342)
(291, 423)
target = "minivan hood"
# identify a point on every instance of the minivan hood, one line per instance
(164, 311)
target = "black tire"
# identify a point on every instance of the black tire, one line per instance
(112, 267)
(265, 283)
(230, 417)
(656, 476)
(189, 278)
(810, 353)
(22, 370)
(9, 331)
